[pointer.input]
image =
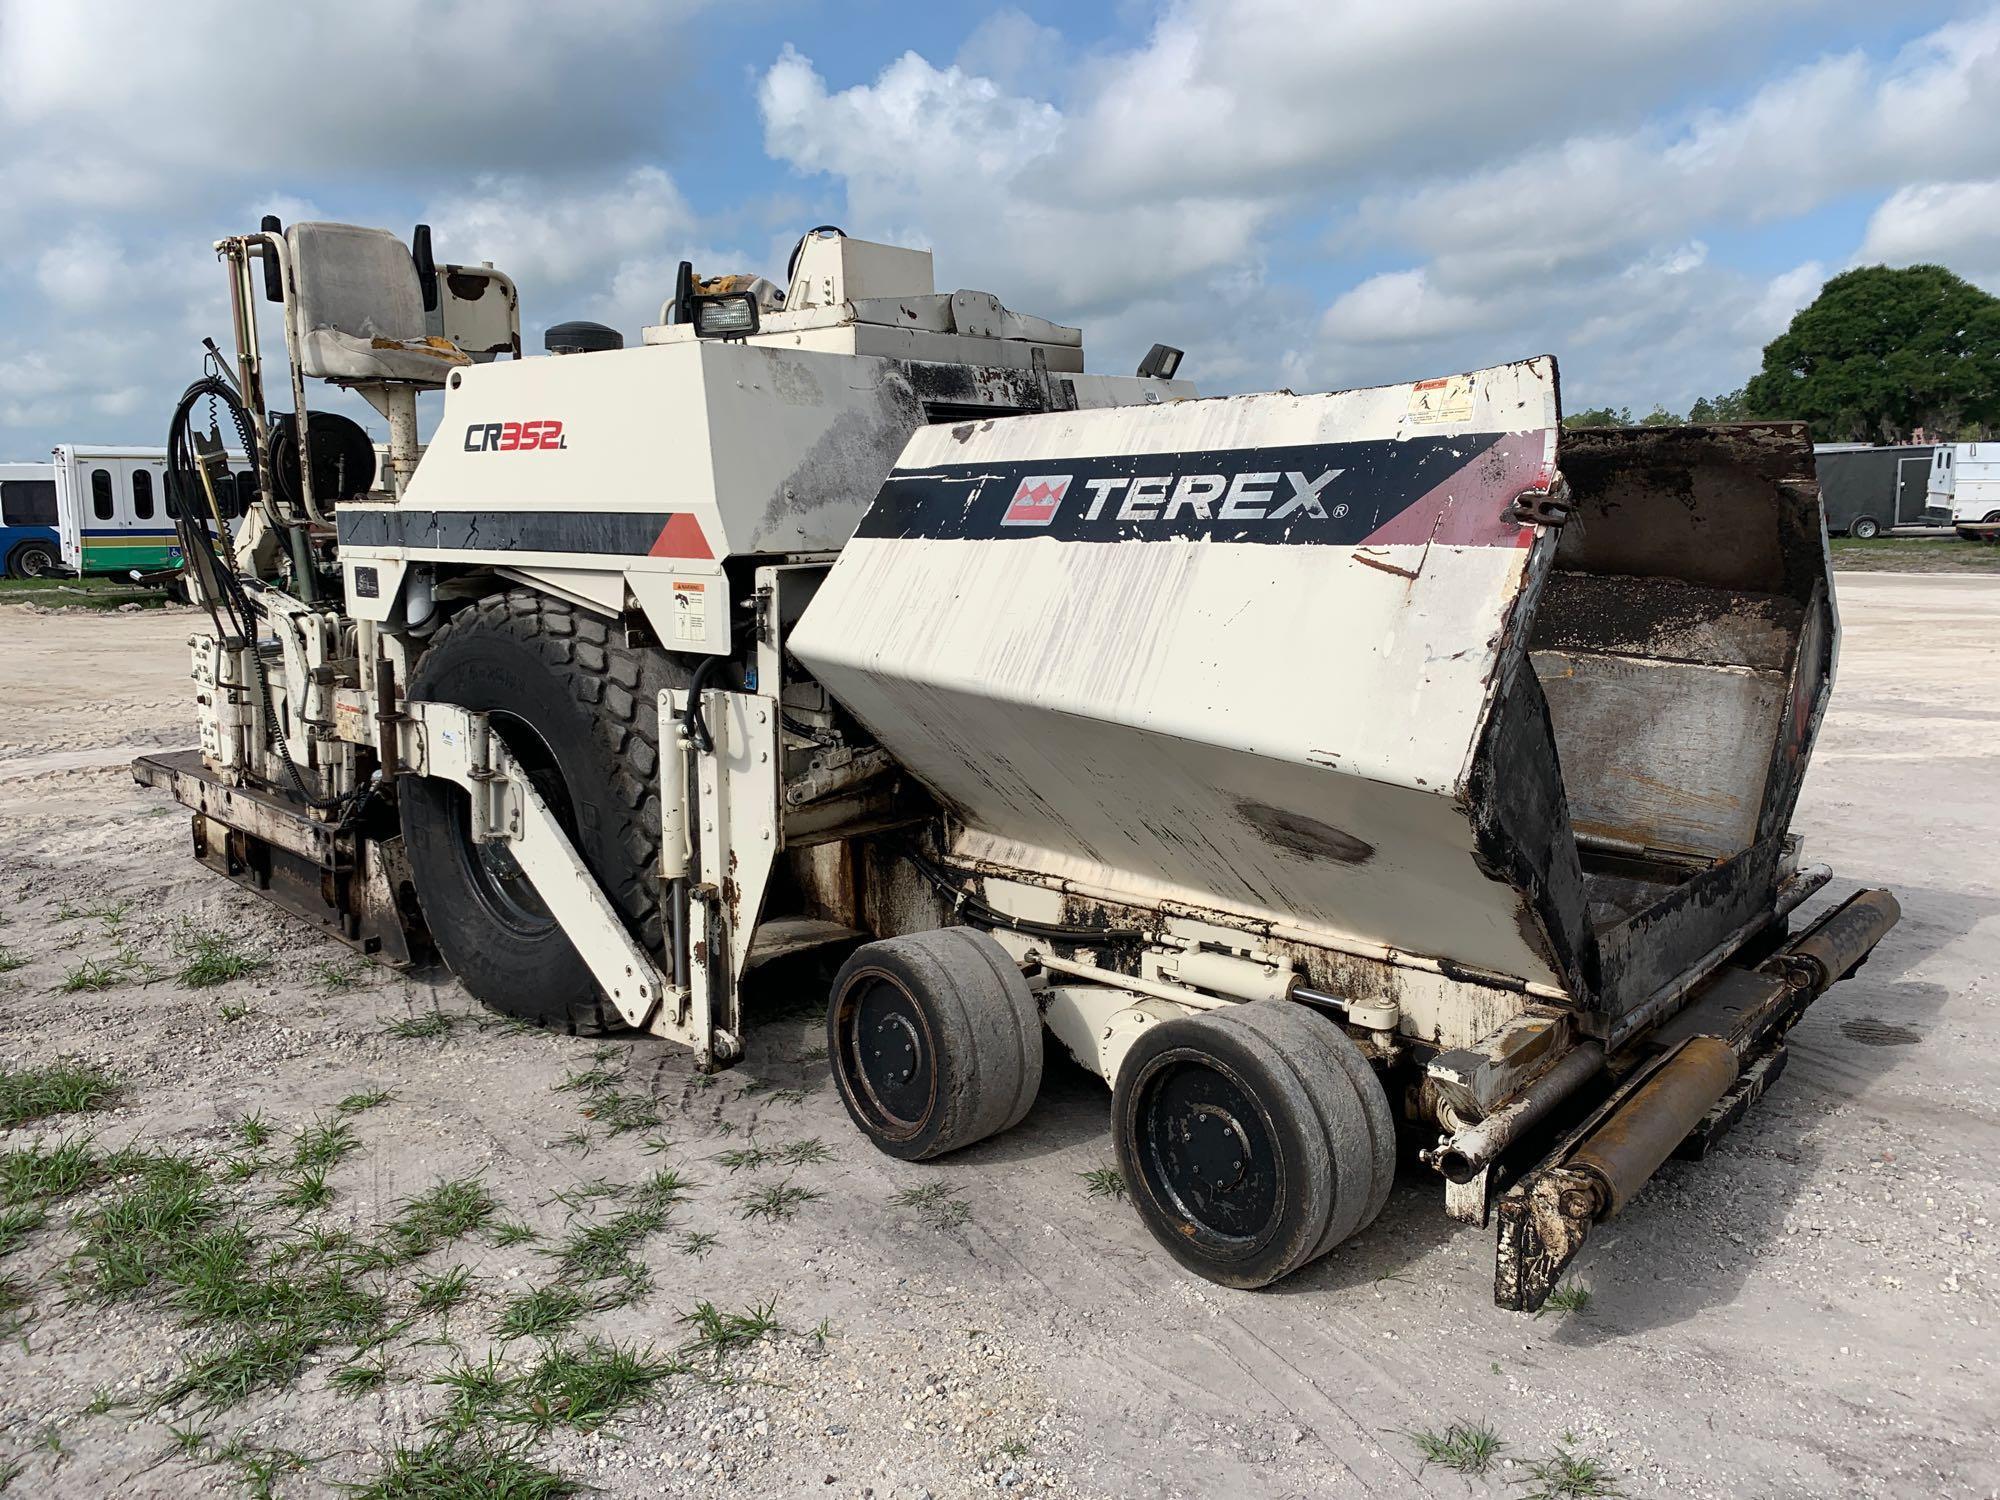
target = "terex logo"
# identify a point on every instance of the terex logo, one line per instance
(1229, 497)
(1035, 500)
(512, 437)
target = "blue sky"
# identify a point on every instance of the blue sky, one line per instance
(1305, 194)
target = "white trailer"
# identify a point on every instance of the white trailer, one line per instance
(1965, 486)
(1321, 771)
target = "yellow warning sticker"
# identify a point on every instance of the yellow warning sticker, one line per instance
(1446, 400)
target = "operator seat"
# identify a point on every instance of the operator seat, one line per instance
(360, 308)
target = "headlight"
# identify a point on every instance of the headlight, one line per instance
(731, 315)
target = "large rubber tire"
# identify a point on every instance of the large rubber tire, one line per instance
(579, 709)
(1247, 1144)
(934, 1040)
(1341, 1081)
(31, 560)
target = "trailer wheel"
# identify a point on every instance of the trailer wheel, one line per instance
(578, 709)
(1246, 1143)
(1865, 528)
(935, 1041)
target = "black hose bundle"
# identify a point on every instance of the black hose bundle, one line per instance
(210, 555)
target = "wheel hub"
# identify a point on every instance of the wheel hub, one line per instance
(1207, 1151)
(890, 1053)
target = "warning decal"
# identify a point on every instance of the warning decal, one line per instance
(690, 611)
(1446, 400)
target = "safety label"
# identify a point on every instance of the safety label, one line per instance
(690, 610)
(1446, 400)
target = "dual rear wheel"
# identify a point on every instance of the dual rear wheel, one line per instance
(1252, 1139)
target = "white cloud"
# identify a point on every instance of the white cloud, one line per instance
(368, 85)
(941, 158)
(1956, 224)
(1293, 99)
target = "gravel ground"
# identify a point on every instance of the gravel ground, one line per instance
(1810, 1312)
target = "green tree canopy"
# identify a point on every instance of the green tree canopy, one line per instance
(1731, 407)
(1881, 352)
(1600, 416)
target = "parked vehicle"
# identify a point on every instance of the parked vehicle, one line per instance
(114, 514)
(29, 546)
(1294, 763)
(1869, 491)
(1965, 486)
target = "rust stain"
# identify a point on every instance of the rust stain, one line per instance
(1381, 566)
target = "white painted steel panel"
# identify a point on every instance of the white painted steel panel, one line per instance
(1273, 716)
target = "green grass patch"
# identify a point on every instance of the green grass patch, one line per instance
(620, 1114)
(1103, 1182)
(253, 1130)
(16, 1297)
(360, 1377)
(511, 1233)
(323, 1144)
(466, 1465)
(717, 1333)
(160, 1204)
(212, 958)
(305, 1191)
(17, 1223)
(449, 1211)
(542, 1312)
(602, 1250)
(93, 975)
(1570, 1297)
(1913, 554)
(41, 1172)
(696, 1242)
(354, 1104)
(62, 1088)
(935, 1205)
(1569, 1475)
(585, 1385)
(428, 1026)
(332, 978)
(442, 1292)
(775, 1203)
(10, 961)
(1467, 1448)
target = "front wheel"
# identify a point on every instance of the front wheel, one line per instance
(578, 709)
(31, 560)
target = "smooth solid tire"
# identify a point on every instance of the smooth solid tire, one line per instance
(1866, 529)
(934, 1040)
(31, 560)
(1344, 1088)
(1245, 1141)
(579, 710)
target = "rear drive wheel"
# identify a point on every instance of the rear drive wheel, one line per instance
(31, 560)
(579, 710)
(1248, 1143)
(1866, 528)
(935, 1041)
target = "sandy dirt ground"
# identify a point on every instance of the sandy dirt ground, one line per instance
(1811, 1312)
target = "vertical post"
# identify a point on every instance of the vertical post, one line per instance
(400, 402)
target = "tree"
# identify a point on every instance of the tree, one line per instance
(1600, 416)
(1880, 352)
(1659, 416)
(1732, 407)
